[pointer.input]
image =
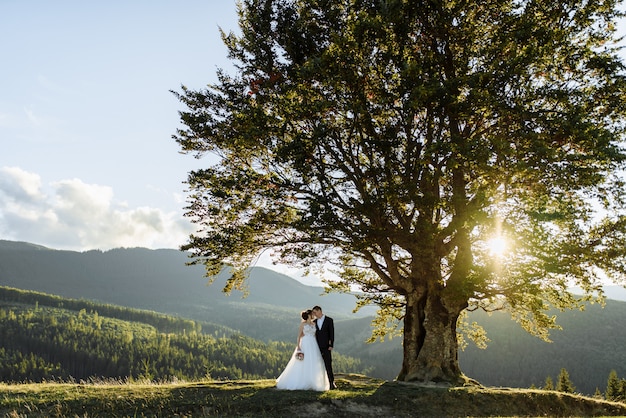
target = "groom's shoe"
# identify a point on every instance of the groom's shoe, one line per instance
(333, 386)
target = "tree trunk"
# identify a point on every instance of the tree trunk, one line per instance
(430, 341)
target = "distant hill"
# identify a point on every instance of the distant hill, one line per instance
(591, 344)
(153, 279)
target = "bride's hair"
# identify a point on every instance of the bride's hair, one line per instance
(305, 314)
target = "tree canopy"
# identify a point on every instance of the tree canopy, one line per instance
(445, 156)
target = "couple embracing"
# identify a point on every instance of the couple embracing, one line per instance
(311, 366)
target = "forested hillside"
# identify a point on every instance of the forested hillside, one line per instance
(591, 344)
(43, 337)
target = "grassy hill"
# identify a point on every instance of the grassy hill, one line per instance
(356, 396)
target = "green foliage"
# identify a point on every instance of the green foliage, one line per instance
(615, 388)
(549, 385)
(597, 394)
(564, 384)
(474, 332)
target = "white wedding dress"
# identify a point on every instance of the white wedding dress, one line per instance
(308, 373)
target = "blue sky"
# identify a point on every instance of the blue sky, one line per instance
(86, 118)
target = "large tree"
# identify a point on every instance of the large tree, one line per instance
(399, 139)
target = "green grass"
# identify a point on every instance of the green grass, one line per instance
(357, 396)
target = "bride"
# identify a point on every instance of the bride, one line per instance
(306, 368)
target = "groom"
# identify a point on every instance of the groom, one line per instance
(325, 335)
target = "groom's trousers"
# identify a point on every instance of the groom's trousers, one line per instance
(327, 355)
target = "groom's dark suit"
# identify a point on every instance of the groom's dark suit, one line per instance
(325, 338)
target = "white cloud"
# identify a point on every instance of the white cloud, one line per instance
(71, 214)
(18, 184)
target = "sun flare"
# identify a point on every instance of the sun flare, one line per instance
(497, 246)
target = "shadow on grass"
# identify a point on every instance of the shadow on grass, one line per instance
(359, 396)
(356, 396)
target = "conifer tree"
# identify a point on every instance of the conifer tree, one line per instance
(597, 394)
(613, 387)
(549, 385)
(564, 384)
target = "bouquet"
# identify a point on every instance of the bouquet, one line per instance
(299, 355)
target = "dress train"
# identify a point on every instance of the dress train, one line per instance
(308, 373)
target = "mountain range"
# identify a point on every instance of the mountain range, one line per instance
(590, 346)
(160, 280)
